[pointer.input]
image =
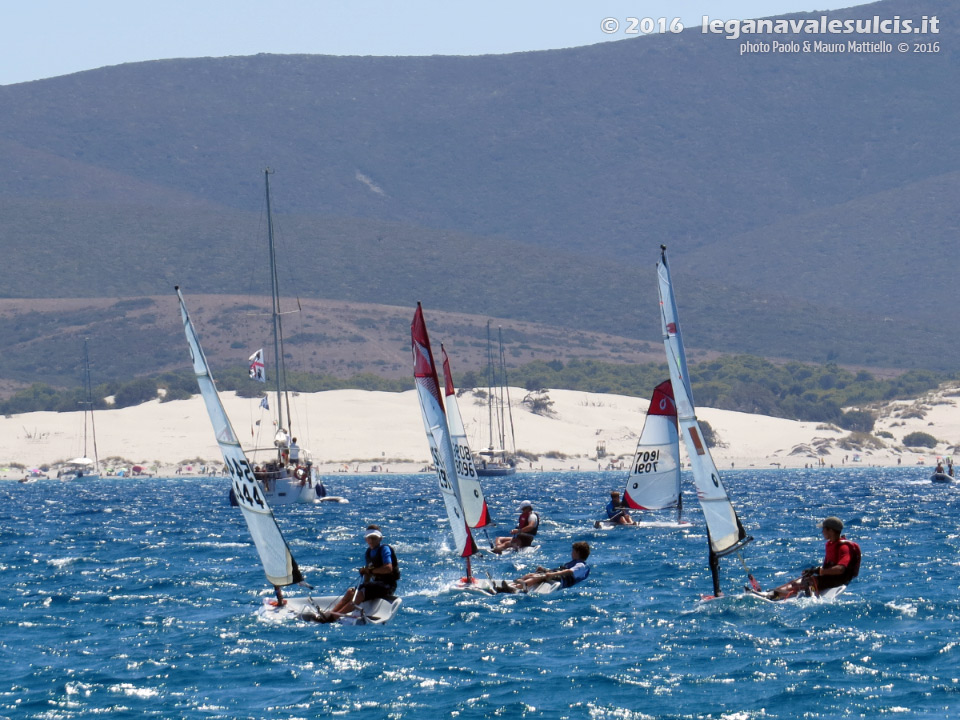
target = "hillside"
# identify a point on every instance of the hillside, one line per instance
(808, 200)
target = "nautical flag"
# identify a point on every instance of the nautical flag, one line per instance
(256, 366)
(264, 404)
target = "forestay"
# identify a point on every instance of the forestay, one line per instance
(723, 527)
(654, 481)
(438, 434)
(278, 563)
(471, 494)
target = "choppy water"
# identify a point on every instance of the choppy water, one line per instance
(130, 598)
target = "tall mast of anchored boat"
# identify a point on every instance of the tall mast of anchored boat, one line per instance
(88, 405)
(275, 311)
(489, 386)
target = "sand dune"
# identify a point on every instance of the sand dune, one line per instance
(362, 429)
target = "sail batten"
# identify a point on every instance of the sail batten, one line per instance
(724, 530)
(278, 563)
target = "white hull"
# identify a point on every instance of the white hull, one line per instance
(671, 524)
(486, 587)
(75, 476)
(287, 491)
(528, 550)
(371, 612)
(825, 597)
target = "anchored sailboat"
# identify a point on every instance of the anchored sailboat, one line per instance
(497, 460)
(440, 441)
(84, 467)
(725, 533)
(286, 478)
(654, 480)
(278, 563)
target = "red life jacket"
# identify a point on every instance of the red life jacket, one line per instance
(853, 569)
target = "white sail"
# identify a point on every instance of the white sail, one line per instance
(724, 528)
(654, 481)
(471, 493)
(278, 563)
(438, 434)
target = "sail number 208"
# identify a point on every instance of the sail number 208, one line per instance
(646, 462)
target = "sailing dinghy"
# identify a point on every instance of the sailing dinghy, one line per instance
(445, 457)
(654, 480)
(725, 533)
(278, 563)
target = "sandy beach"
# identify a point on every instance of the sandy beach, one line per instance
(360, 431)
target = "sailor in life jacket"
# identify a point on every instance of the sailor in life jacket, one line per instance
(569, 574)
(841, 564)
(522, 535)
(380, 575)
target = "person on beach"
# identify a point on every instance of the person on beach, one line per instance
(841, 564)
(617, 511)
(380, 575)
(569, 574)
(522, 535)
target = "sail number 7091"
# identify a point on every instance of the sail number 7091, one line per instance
(646, 462)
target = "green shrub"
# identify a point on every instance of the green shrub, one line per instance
(920, 439)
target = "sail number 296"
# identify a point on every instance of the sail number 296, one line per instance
(646, 462)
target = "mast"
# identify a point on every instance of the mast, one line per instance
(88, 404)
(490, 387)
(506, 391)
(275, 311)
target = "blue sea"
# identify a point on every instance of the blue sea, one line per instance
(138, 598)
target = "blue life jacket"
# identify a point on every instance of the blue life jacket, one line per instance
(374, 556)
(569, 580)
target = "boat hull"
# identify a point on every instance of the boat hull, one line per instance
(287, 490)
(941, 478)
(371, 612)
(670, 524)
(496, 471)
(826, 596)
(79, 476)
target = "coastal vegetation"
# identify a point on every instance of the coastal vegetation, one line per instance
(744, 383)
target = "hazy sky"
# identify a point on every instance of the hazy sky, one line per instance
(45, 38)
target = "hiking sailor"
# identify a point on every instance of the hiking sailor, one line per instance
(522, 535)
(841, 564)
(569, 574)
(380, 575)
